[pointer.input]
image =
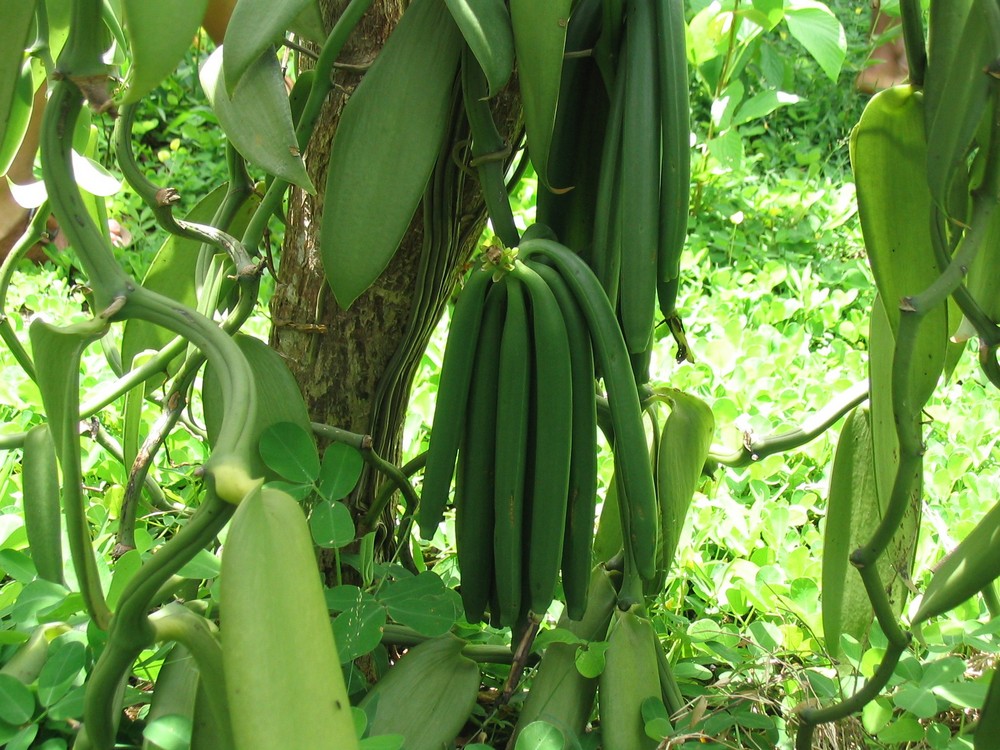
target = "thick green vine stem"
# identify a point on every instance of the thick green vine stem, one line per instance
(162, 200)
(81, 59)
(105, 276)
(175, 622)
(490, 153)
(812, 717)
(131, 630)
(913, 36)
(756, 449)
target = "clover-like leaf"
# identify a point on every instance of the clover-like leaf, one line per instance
(331, 524)
(423, 603)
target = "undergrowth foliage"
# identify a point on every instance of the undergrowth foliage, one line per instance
(736, 491)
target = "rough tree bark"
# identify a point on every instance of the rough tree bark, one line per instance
(340, 356)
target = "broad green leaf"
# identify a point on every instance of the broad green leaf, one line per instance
(962, 694)
(540, 735)
(942, 671)
(203, 566)
(706, 33)
(18, 565)
(12, 637)
(70, 706)
(728, 149)
(485, 25)
(423, 603)
(17, 703)
(340, 471)
(358, 628)
(540, 42)
(683, 449)
(296, 490)
(389, 138)
(657, 729)
(309, 24)
(60, 14)
(815, 26)
(66, 661)
(169, 732)
(888, 150)
(257, 118)
(876, 715)
(290, 451)
(724, 107)
(331, 524)
(71, 604)
(159, 34)
(126, 566)
(966, 570)
(852, 509)
(254, 26)
(902, 730)
(15, 111)
(57, 353)
(360, 721)
(24, 739)
(762, 104)
(919, 701)
(653, 708)
(768, 13)
(384, 742)
(428, 695)
(7, 732)
(342, 598)
(36, 597)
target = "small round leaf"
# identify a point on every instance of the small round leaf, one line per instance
(540, 735)
(341, 470)
(331, 524)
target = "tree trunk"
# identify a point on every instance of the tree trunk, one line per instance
(356, 366)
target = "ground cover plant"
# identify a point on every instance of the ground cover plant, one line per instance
(613, 499)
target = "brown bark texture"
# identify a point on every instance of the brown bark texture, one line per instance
(356, 366)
